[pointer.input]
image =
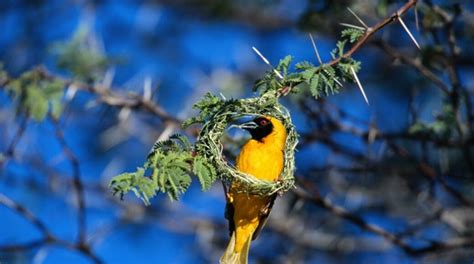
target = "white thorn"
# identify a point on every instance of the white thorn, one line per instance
(338, 82)
(360, 85)
(261, 56)
(147, 89)
(357, 17)
(91, 104)
(319, 57)
(352, 26)
(108, 78)
(382, 149)
(124, 114)
(267, 62)
(71, 92)
(167, 132)
(408, 31)
(372, 134)
(278, 73)
(315, 48)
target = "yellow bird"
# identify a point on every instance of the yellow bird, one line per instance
(263, 157)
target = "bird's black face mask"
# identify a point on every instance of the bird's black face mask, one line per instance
(259, 128)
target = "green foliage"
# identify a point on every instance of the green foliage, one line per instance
(322, 80)
(284, 65)
(339, 50)
(205, 172)
(381, 8)
(36, 95)
(81, 56)
(443, 127)
(430, 18)
(143, 187)
(171, 171)
(344, 69)
(319, 80)
(353, 34)
(208, 104)
(171, 164)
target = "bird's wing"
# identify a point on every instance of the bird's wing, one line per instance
(263, 217)
(229, 215)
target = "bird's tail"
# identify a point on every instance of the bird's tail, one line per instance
(232, 257)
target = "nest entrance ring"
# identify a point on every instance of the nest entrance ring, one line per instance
(209, 144)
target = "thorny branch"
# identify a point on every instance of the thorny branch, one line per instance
(327, 126)
(77, 183)
(433, 246)
(48, 238)
(108, 96)
(415, 63)
(10, 152)
(370, 31)
(81, 245)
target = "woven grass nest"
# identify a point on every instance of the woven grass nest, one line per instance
(209, 143)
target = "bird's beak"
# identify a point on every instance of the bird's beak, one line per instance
(248, 125)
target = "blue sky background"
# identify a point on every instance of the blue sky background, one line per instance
(186, 55)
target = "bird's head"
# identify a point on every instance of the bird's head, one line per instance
(265, 127)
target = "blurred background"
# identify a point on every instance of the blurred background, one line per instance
(88, 86)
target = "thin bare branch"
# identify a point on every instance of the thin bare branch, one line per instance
(25, 213)
(414, 63)
(372, 30)
(77, 183)
(10, 152)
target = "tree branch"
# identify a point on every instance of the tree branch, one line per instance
(374, 29)
(433, 246)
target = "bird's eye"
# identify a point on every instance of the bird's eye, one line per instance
(263, 122)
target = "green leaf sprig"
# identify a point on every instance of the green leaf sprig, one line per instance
(36, 95)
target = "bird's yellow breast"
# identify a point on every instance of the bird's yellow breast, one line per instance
(261, 160)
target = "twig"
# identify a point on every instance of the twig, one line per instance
(27, 214)
(77, 183)
(372, 30)
(433, 246)
(112, 98)
(48, 237)
(430, 174)
(414, 63)
(10, 152)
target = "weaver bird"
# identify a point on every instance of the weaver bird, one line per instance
(262, 157)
